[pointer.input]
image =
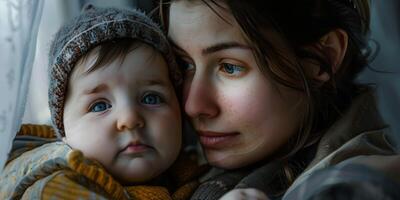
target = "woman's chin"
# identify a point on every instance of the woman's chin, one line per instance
(224, 162)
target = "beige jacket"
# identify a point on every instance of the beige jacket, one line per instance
(355, 150)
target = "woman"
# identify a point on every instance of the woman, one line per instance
(269, 88)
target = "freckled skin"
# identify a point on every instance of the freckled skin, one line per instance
(264, 115)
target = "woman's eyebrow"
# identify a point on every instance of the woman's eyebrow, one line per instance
(223, 46)
(213, 48)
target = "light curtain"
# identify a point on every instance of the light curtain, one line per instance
(19, 22)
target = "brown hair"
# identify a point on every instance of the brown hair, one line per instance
(297, 24)
(110, 51)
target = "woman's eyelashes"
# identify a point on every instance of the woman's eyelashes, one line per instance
(184, 65)
(232, 70)
(229, 68)
(99, 106)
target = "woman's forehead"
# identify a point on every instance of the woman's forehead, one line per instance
(188, 12)
(198, 26)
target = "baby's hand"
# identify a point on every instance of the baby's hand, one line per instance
(244, 194)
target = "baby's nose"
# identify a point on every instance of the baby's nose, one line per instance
(130, 119)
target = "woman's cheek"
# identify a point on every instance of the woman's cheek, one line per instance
(245, 104)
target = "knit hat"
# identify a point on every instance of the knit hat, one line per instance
(93, 27)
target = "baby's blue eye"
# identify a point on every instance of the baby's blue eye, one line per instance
(151, 99)
(99, 106)
(232, 69)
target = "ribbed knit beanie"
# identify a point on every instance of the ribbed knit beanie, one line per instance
(93, 27)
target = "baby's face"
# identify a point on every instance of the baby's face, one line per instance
(126, 116)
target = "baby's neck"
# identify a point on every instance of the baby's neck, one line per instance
(162, 180)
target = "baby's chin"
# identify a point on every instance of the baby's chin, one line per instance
(137, 172)
(135, 178)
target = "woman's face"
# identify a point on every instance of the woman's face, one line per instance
(239, 115)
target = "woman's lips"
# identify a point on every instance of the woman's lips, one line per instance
(216, 140)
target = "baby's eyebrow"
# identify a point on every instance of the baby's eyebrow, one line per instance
(154, 82)
(97, 89)
(104, 87)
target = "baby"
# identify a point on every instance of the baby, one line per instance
(113, 102)
(111, 96)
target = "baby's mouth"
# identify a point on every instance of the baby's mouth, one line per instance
(135, 148)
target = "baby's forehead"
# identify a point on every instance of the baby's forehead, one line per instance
(97, 58)
(139, 65)
(87, 61)
(113, 51)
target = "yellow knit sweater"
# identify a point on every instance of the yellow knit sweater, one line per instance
(35, 174)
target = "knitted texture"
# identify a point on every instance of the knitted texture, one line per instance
(94, 172)
(93, 27)
(60, 172)
(55, 171)
(42, 131)
(144, 192)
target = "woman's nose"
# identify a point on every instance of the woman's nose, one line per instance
(129, 119)
(200, 98)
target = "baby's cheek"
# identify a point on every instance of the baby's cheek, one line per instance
(103, 156)
(94, 149)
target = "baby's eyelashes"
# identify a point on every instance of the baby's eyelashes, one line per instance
(99, 106)
(152, 99)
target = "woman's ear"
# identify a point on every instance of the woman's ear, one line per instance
(333, 46)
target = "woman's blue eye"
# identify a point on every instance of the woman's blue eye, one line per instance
(99, 106)
(232, 69)
(151, 99)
